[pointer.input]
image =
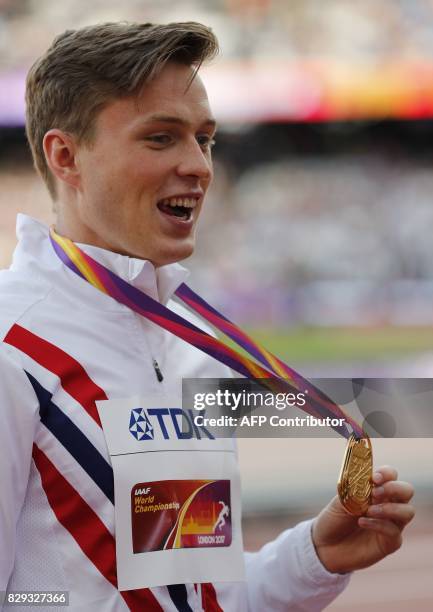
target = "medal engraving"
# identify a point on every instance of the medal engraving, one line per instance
(355, 482)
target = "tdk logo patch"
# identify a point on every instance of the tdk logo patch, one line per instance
(166, 423)
(139, 425)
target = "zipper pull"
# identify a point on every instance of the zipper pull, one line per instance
(158, 372)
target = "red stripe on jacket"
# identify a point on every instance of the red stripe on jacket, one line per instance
(73, 376)
(209, 598)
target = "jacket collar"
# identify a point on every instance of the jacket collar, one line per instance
(34, 244)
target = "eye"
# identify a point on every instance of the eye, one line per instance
(160, 140)
(205, 141)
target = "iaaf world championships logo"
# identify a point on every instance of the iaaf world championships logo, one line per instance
(171, 422)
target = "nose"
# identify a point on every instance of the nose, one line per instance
(195, 162)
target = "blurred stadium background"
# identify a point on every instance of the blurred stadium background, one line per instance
(317, 231)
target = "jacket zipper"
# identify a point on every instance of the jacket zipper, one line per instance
(157, 369)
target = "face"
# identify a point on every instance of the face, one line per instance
(143, 179)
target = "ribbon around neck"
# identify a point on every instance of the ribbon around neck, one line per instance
(275, 375)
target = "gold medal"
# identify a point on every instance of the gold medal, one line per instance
(356, 477)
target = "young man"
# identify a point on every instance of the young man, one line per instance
(121, 132)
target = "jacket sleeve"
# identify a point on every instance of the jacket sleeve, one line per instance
(18, 416)
(286, 575)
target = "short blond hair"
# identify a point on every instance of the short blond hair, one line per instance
(83, 70)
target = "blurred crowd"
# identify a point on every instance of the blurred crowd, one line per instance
(335, 241)
(373, 30)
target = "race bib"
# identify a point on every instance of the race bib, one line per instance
(177, 496)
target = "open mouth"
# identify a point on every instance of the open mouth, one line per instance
(178, 207)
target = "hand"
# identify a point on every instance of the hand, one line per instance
(345, 543)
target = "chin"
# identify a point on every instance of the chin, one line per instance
(173, 255)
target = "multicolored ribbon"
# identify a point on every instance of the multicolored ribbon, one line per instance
(276, 375)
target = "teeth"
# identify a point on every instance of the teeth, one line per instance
(185, 202)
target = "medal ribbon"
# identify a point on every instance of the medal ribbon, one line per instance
(276, 375)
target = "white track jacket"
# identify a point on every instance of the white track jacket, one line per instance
(64, 346)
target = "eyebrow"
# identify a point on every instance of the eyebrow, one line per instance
(177, 120)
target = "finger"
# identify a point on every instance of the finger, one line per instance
(393, 490)
(384, 474)
(401, 514)
(385, 528)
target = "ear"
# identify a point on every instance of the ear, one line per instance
(60, 152)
